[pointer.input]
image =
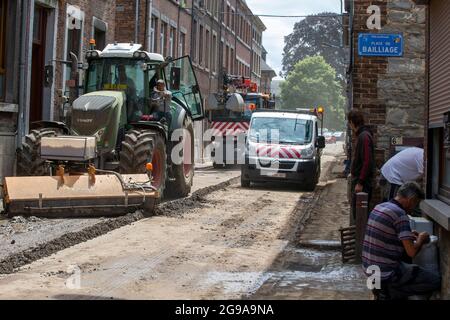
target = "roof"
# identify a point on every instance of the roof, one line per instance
(126, 50)
(266, 68)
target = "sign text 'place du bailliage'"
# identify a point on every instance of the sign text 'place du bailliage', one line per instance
(380, 45)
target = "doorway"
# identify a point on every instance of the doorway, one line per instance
(38, 63)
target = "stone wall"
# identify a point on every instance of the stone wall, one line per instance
(391, 91)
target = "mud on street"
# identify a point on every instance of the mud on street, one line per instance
(223, 242)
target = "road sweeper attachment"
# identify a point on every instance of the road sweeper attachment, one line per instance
(78, 195)
(71, 193)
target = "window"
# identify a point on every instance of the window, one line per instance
(172, 43)
(232, 26)
(208, 47)
(444, 183)
(227, 57)
(214, 54)
(200, 47)
(2, 47)
(232, 61)
(228, 16)
(162, 39)
(153, 41)
(194, 41)
(222, 14)
(99, 33)
(182, 45)
(75, 20)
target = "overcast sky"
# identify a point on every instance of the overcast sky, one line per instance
(278, 28)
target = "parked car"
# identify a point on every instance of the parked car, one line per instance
(329, 137)
(340, 135)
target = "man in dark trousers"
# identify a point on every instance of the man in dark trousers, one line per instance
(363, 163)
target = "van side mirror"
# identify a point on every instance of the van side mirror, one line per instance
(175, 78)
(320, 142)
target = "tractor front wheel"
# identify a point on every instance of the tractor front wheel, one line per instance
(184, 172)
(141, 147)
(29, 161)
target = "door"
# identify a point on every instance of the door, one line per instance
(184, 86)
(38, 63)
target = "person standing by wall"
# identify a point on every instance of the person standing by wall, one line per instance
(363, 162)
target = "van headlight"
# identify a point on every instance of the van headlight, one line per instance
(308, 152)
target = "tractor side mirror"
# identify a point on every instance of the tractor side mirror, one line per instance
(320, 142)
(195, 89)
(175, 78)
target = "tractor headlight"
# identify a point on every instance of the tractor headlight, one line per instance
(137, 54)
(308, 152)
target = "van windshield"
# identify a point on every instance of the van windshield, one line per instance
(281, 130)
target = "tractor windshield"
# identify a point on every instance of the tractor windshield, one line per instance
(127, 75)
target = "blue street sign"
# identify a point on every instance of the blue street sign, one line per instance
(380, 45)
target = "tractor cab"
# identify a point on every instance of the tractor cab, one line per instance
(125, 68)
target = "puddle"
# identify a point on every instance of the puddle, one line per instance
(236, 282)
(299, 269)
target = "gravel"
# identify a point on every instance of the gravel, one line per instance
(24, 240)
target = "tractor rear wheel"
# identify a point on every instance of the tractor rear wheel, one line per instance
(29, 161)
(184, 172)
(141, 147)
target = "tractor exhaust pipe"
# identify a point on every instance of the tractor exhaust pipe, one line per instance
(75, 78)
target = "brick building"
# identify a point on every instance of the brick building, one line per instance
(35, 39)
(390, 90)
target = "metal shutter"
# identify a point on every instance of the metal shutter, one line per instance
(439, 61)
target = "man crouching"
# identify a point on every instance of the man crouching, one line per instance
(388, 238)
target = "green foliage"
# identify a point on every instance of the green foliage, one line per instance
(316, 35)
(313, 83)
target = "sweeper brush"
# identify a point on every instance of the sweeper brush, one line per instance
(78, 195)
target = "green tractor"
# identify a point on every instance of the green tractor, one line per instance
(126, 125)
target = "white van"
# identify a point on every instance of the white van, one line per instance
(283, 146)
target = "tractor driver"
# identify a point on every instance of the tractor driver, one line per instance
(160, 102)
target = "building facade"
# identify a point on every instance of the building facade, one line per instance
(406, 99)
(437, 206)
(35, 40)
(267, 74)
(390, 90)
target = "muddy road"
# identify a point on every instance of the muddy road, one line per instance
(221, 244)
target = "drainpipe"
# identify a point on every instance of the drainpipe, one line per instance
(24, 69)
(136, 19)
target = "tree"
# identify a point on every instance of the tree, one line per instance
(316, 35)
(313, 83)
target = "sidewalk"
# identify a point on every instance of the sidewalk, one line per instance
(311, 267)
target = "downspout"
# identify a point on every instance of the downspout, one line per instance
(24, 70)
(177, 42)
